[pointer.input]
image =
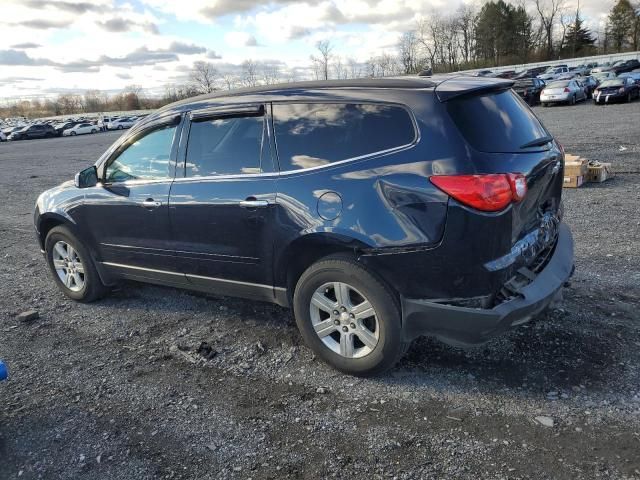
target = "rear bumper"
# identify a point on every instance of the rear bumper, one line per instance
(555, 98)
(468, 326)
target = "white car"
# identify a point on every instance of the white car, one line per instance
(553, 72)
(563, 91)
(120, 124)
(80, 129)
(3, 137)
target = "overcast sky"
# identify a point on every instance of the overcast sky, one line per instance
(53, 46)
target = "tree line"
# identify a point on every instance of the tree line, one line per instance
(494, 34)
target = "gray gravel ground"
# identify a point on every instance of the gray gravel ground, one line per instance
(120, 389)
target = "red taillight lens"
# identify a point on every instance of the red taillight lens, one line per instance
(566, 90)
(488, 193)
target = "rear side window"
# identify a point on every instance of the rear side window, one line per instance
(226, 146)
(495, 122)
(312, 135)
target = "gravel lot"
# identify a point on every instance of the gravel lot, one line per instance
(121, 389)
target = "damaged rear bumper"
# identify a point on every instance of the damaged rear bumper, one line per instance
(468, 326)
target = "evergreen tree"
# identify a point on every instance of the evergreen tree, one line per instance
(622, 18)
(579, 40)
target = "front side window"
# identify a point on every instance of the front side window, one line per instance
(227, 146)
(147, 158)
(312, 135)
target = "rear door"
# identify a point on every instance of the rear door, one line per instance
(222, 209)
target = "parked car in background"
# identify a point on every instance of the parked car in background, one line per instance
(589, 83)
(61, 127)
(602, 76)
(120, 123)
(602, 67)
(374, 227)
(616, 90)
(506, 74)
(624, 66)
(3, 137)
(529, 89)
(580, 70)
(483, 73)
(80, 129)
(563, 91)
(33, 131)
(635, 75)
(553, 72)
(530, 73)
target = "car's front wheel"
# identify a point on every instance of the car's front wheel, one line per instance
(348, 317)
(73, 133)
(72, 267)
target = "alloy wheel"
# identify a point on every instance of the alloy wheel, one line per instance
(344, 320)
(68, 266)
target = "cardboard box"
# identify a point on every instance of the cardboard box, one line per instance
(576, 168)
(599, 172)
(573, 181)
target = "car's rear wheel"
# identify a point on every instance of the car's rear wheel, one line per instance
(629, 97)
(120, 127)
(93, 131)
(72, 267)
(72, 133)
(573, 99)
(348, 317)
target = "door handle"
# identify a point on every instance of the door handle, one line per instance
(150, 203)
(253, 203)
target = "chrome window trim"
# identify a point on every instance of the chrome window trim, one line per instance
(416, 140)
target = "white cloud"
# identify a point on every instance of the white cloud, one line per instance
(240, 39)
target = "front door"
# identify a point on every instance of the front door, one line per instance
(222, 210)
(128, 212)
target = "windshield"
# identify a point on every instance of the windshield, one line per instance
(612, 83)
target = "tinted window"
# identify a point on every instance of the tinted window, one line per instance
(148, 157)
(226, 146)
(497, 122)
(312, 135)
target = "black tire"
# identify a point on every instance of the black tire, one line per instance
(573, 99)
(389, 348)
(72, 134)
(120, 127)
(93, 131)
(629, 97)
(93, 288)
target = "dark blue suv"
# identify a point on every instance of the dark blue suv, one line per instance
(379, 210)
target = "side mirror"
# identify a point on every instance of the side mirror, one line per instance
(87, 178)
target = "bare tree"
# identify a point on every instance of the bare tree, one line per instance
(408, 50)
(466, 18)
(339, 69)
(204, 75)
(249, 73)
(230, 80)
(323, 60)
(354, 69)
(270, 73)
(549, 11)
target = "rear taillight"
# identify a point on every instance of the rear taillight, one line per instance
(488, 193)
(566, 90)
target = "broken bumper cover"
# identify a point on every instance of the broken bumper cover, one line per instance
(468, 326)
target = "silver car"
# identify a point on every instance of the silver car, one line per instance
(564, 91)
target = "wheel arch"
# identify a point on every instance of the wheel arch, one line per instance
(302, 252)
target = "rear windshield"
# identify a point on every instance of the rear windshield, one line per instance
(496, 122)
(524, 83)
(558, 85)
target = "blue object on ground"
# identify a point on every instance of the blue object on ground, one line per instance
(3, 371)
